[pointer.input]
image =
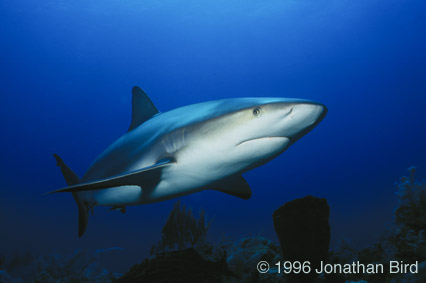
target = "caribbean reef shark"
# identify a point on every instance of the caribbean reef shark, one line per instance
(205, 146)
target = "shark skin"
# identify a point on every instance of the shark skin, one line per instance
(205, 146)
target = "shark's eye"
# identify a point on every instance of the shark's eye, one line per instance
(257, 111)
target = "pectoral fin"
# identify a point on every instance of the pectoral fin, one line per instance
(235, 185)
(146, 177)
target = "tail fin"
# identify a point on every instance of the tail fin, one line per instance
(72, 179)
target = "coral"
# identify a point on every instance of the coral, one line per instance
(2, 261)
(244, 255)
(177, 266)
(410, 216)
(7, 278)
(407, 243)
(81, 266)
(182, 230)
(413, 278)
(17, 265)
(183, 254)
(411, 211)
(18, 261)
(344, 253)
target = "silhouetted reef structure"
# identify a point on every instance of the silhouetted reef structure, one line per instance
(79, 266)
(182, 230)
(185, 255)
(245, 254)
(410, 217)
(406, 243)
(303, 229)
(178, 266)
(304, 233)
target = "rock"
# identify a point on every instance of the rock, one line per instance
(177, 266)
(81, 266)
(304, 233)
(45, 277)
(419, 277)
(244, 255)
(6, 278)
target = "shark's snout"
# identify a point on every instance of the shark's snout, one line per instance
(302, 118)
(313, 112)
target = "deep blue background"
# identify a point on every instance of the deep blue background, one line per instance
(66, 72)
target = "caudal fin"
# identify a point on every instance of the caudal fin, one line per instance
(72, 179)
(83, 217)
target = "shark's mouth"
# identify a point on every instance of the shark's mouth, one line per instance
(266, 141)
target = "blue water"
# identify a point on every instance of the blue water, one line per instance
(66, 73)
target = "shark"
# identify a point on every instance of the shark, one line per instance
(203, 146)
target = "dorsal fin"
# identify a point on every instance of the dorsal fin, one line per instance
(142, 108)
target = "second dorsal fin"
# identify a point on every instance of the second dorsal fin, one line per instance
(142, 108)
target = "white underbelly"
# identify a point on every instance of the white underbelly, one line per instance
(193, 171)
(118, 196)
(174, 183)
